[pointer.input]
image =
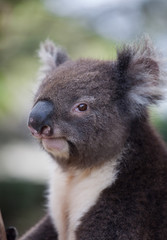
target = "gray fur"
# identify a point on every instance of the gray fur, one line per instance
(115, 125)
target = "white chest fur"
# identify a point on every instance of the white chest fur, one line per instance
(73, 193)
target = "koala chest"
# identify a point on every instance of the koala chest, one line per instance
(72, 194)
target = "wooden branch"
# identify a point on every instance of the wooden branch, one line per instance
(2, 229)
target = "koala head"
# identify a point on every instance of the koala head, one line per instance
(83, 109)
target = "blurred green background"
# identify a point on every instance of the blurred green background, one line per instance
(23, 165)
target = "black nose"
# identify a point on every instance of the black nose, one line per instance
(40, 119)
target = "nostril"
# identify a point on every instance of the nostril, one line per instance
(46, 130)
(39, 130)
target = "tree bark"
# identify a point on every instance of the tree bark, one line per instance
(2, 229)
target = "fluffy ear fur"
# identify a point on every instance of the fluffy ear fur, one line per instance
(50, 57)
(142, 74)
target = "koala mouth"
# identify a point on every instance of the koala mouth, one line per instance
(57, 147)
(54, 144)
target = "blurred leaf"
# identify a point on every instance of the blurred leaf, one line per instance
(23, 27)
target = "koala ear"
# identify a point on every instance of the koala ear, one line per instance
(50, 56)
(142, 74)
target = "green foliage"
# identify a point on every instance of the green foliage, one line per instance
(23, 26)
(21, 203)
(160, 123)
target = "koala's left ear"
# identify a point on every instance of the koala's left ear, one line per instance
(51, 56)
(142, 74)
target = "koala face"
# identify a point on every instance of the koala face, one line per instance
(85, 122)
(83, 109)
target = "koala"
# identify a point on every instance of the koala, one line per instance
(109, 172)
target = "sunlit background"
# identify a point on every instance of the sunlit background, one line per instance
(85, 28)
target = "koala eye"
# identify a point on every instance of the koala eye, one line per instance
(82, 107)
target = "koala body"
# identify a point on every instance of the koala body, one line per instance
(109, 175)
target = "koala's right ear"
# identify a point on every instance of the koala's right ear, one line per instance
(50, 56)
